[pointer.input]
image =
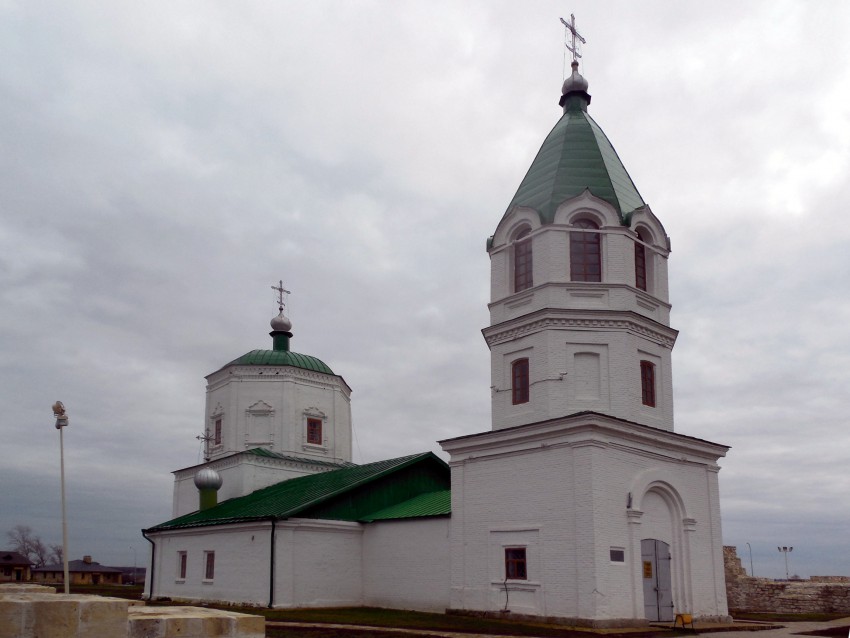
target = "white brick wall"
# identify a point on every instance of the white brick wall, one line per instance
(406, 564)
(557, 319)
(566, 484)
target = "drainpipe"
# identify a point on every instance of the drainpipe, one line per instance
(271, 567)
(153, 563)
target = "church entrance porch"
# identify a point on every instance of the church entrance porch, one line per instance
(657, 581)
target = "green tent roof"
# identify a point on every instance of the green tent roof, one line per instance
(281, 358)
(349, 493)
(576, 156)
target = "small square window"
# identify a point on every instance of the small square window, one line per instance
(618, 555)
(209, 565)
(314, 431)
(515, 564)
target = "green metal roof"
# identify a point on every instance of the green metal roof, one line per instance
(428, 504)
(281, 358)
(576, 156)
(348, 493)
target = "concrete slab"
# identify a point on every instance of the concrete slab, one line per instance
(193, 622)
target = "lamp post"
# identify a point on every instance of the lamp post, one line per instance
(752, 571)
(786, 551)
(62, 422)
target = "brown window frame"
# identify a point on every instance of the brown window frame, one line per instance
(647, 383)
(519, 381)
(184, 561)
(314, 426)
(523, 262)
(516, 563)
(586, 252)
(209, 565)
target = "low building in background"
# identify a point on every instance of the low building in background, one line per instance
(14, 567)
(80, 572)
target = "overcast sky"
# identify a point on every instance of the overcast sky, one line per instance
(163, 164)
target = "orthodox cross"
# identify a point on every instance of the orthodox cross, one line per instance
(205, 439)
(280, 292)
(571, 27)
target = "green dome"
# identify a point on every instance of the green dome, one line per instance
(281, 358)
(576, 156)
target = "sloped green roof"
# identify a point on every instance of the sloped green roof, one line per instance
(576, 155)
(429, 504)
(281, 358)
(328, 494)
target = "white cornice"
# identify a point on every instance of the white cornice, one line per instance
(581, 430)
(566, 319)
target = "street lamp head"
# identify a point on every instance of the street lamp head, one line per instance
(59, 413)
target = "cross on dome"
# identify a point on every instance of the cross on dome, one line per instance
(571, 27)
(280, 292)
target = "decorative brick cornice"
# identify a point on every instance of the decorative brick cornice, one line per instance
(528, 325)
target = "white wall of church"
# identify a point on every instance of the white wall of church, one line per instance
(564, 497)
(576, 370)
(406, 564)
(241, 564)
(318, 563)
(266, 406)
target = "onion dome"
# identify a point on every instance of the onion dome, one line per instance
(207, 479)
(575, 157)
(575, 82)
(281, 323)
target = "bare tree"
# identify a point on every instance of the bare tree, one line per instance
(25, 542)
(56, 554)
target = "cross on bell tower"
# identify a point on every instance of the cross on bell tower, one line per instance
(571, 27)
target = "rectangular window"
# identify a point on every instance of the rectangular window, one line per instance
(182, 560)
(647, 383)
(618, 555)
(519, 381)
(209, 565)
(314, 431)
(585, 252)
(217, 439)
(523, 277)
(515, 565)
(640, 266)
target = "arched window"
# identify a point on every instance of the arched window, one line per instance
(523, 261)
(640, 263)
(647, 383)
(585, 252)
(519, 381)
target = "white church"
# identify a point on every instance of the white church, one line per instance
(580, 503)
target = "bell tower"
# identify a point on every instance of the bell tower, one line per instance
(579, 309)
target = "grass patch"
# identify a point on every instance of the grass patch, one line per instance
(390, 619)
(777, 617)
(830, 632)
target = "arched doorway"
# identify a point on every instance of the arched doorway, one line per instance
(657, 580)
